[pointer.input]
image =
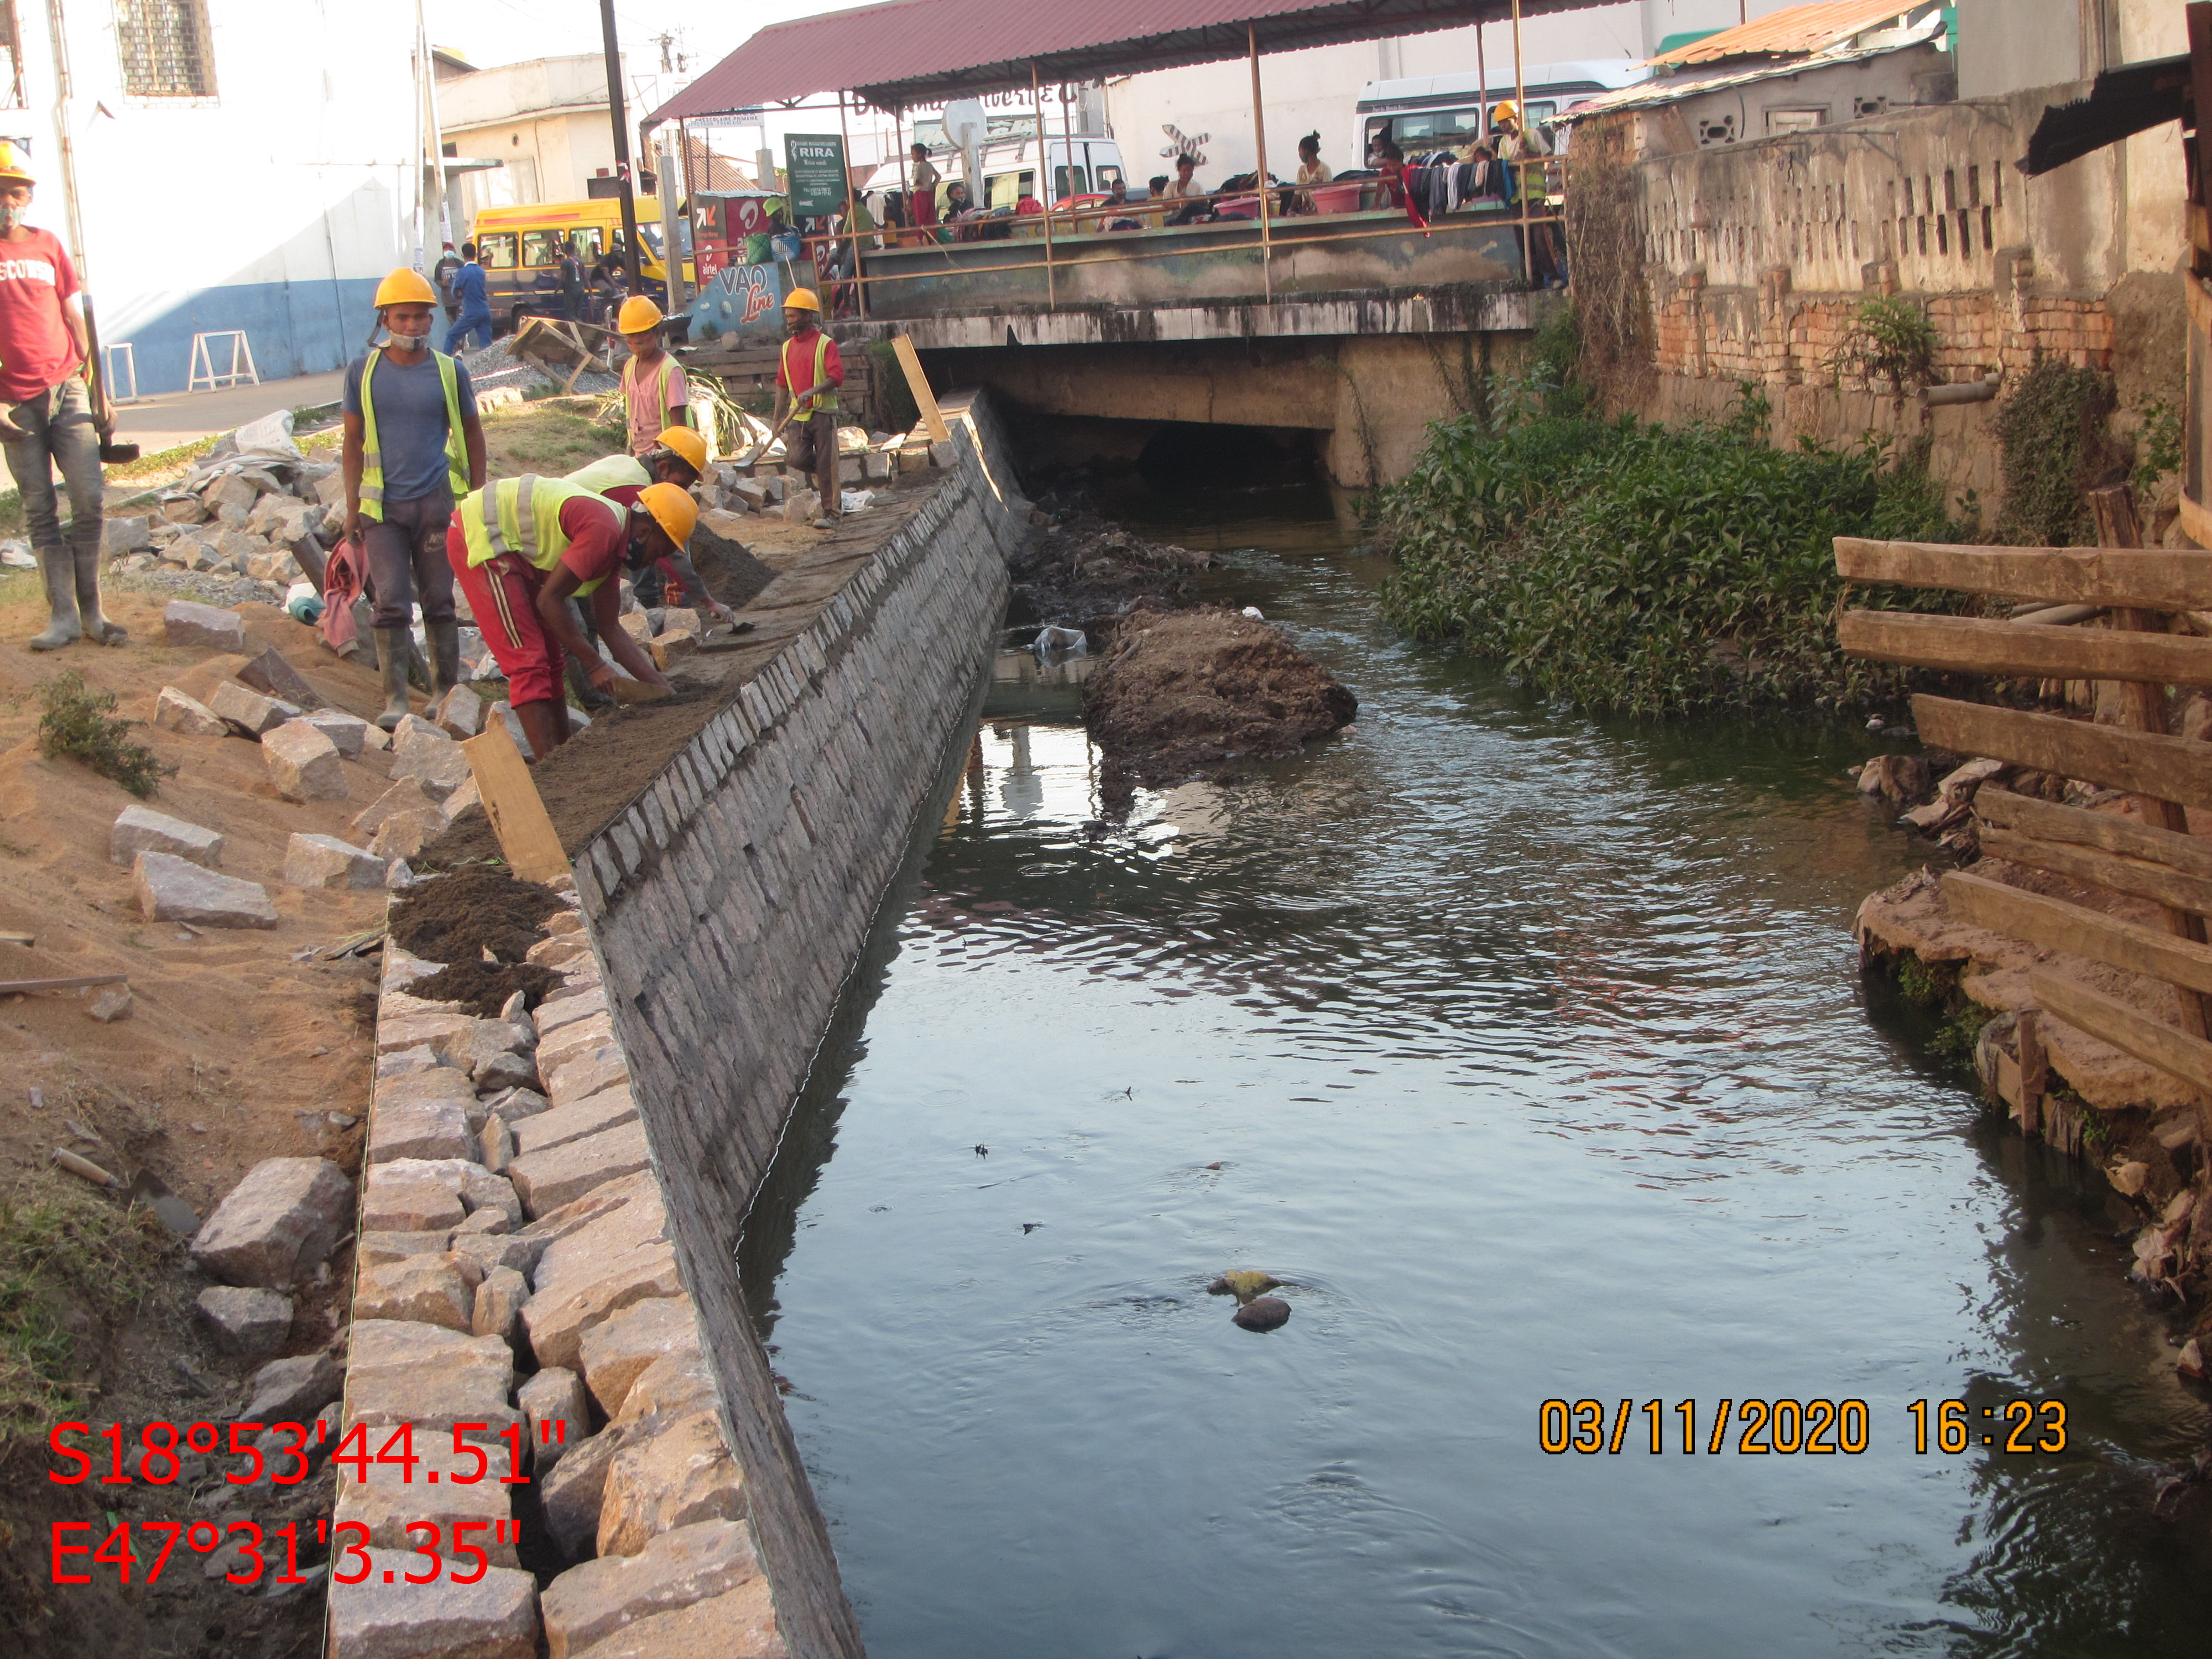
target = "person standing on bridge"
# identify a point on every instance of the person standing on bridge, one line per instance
(808, 372)
(1312, 170)
(924, 202)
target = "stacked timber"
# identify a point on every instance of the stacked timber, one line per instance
(2134, 885)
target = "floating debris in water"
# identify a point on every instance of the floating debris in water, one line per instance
(1029, 1227)
(1267, 1313)
(981, 1151)
(1244, 1283)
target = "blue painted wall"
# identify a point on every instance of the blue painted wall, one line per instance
(294, 328)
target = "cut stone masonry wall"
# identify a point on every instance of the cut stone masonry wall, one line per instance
(584, 1217)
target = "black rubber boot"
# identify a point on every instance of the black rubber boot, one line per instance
(392, 656)
(59, 569)
(96, 627)
(444, 641)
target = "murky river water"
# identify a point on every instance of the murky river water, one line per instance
(1531, 1053)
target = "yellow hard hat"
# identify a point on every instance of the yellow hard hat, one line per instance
(1505, 110)
(637, 314)
(14, 164)
(405, 287)
(689, 446)
(801, 299)
(672, 509)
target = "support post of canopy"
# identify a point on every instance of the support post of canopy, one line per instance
(1260, 167)
(1067, 148)
(1520, 145)
(852, 230)
(1482, 97)
(1036, 97)
(906, 190)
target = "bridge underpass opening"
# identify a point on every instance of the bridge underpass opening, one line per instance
(1173, 457)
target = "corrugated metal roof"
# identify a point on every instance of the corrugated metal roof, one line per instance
(1650, 94)
(1793, 30)
(905, 53)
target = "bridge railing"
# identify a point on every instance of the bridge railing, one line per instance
(920, 269)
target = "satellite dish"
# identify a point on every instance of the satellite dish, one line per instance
(965, 124)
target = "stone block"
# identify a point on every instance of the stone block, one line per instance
(293, 1390)
(488, 1251)
(607, 1109)
(545, 1181)
(557, 953)
(583, 1074)
(349, 734)
(202, 625)
(125, 534)
(570, 1491)
(498, 1307)
(427, 1289)
(590, 1603)
(283, 519)
(141, 829)
(373, 1250)
(564, 1009)
(558, 1317)
(565, 1041)
(184, 509)
(173, 711)
(460, 713)
(512, 1105)
(669, 1473)
(497, 1072)
(941, 453)
(616, 1351)
(386, 1502)
(326, 861)
(738, 1624)
(171, 889)
(404, 835)
(270, 675)
(447, 1036)
(433, 759)
(304, 765)
(399, 1198)
(110, 1005)
(277, 1224)
(589, 1238)
(494, 1617)
(497, 1144)
(247, 1321)
(404, 796)
(406, 1372)
(420, 1129)
(250, 713)
(440, 1083)
(674, 1385)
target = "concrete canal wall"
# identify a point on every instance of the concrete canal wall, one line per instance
(589, 1227)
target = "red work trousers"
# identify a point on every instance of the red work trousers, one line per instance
(503, 594)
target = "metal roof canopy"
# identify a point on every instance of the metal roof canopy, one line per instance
(905, 53)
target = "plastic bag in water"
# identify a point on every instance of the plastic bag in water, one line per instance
(1054, 644)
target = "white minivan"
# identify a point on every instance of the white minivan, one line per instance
(1444, 112)
(1082, 166)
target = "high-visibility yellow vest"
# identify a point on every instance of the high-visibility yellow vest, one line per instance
(609, 473)
(371, 456)
(630, 389)
(523, 515)
(828, 400)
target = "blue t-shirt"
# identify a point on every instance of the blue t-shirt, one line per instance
(410, 420)
(469, 288)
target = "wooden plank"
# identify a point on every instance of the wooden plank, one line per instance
(2034, 1072)
(2195, 520)
(924, 398)
(22, 987)
(18, 938)
(2154, 882)
(2141, 762)
(1978, 645)
(2052, 924)
(2152, 578)
(2150, 1041)
(513, 803)
(2078, 826)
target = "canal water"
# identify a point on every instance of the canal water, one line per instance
(1531, 1053)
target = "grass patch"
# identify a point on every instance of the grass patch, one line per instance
(1643, 568)
(71, 1264)
(549, 441)
(81, 724)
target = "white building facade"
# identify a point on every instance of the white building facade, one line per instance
(242, 164)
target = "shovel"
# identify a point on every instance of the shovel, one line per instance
(103, 412)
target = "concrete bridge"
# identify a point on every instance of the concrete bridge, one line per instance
(1343, 335)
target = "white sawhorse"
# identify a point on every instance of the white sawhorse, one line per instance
(128, 360)
(203, 366)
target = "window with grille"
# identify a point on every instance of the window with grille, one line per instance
(165, 48)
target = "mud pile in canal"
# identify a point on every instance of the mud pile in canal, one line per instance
(1087, 571)
(1182, 692)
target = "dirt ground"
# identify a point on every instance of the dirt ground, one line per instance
(1182, 692)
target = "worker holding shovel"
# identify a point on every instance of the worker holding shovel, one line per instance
(49, 420)
(808, 372)
(523, 548)
(413, 445)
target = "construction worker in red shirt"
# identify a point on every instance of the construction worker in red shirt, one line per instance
(679, 458)
(808, 372)
(46, 415)
(523, 548)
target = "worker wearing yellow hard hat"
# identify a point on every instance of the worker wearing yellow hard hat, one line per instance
(412, 446)
(808, 372)
(47, 418)
(523, 548)
(679, 458)
(653, 391)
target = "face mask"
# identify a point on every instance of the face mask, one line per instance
(10, 218)
(410, 342)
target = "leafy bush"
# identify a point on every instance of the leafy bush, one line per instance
(80, 723)
(2158, 443)
(2051, 429)
(1646, 568)
(1889, 339)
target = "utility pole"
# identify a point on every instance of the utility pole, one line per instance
(618, 113)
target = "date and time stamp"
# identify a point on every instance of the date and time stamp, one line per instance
(139, 1552)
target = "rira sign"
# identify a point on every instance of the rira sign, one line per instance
(814, 164)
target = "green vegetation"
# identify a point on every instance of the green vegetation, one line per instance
(2158, 443)
(81, 724)
(1648, 569)
(70, 1263)
(1890, 338)
(2053, 432)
